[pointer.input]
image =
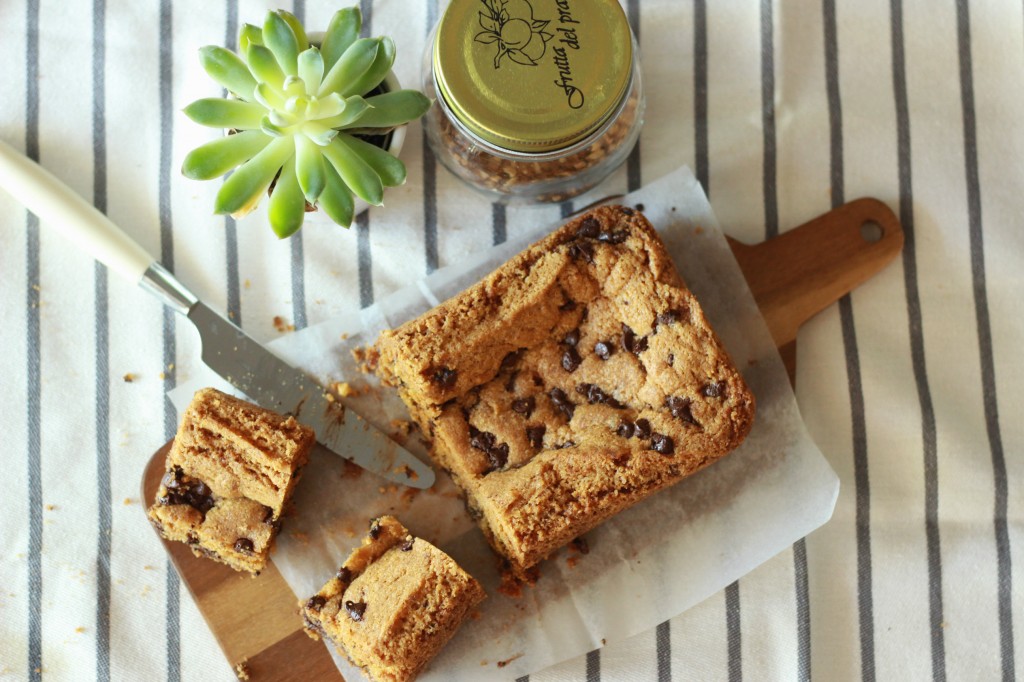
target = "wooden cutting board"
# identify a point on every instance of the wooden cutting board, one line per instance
(793, 277)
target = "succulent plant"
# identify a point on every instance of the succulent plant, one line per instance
(296, 117)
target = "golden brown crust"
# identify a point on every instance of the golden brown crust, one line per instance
(574, 381)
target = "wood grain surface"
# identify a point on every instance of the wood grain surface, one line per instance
(793, 277)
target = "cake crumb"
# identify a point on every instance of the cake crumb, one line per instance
(51, 507)
(282, 326)
(502, 664)
(344, 389)
(580, 545)
(366, 358)
(128, 501)
(129, 378)
(247, 283)
(698, 230)
(80, 630)
(512, 584)
(344, 337)
(147, 567)
(242, 667)
(351, 469)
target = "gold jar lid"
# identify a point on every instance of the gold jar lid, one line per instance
(533, 75)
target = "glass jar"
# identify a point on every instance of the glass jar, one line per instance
(536, 100)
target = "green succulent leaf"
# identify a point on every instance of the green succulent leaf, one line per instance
(311, 69)
(360, 177)
(281, 40)
(225, 113)
(246, 185)
(372, 77)
(355, 107)
(297, 29)
(263, 65)
(287, 208)
(353, 64)
(249, 35)
(272, 127)
(390, 169)
(269, 97)
(228, 69)
(336, 199)
(392, 109)
(294, 87)
(329, 107)
(341, 33)
(318, 133)
(309, 168)
(224, 154)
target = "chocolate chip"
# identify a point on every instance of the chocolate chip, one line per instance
(374, 529)
(315, 603)
(643, 428)
(244, 546)
(588, 228)
(510, 385)
(580, 545)
(627, 210)
(172, 479)
(344, 575)
(714, 390)
(407, 545)
(640, 346)
(596, 396)
(562, 402)
(626, 429)
(535, 434)
(268, 515)
(662, 444)
(628, 339)
(445, 377)
(481, 440)
(498, 456)
(640, 207)
(616, 237)
(581, 251)
(524, 406)
(680, 408)
(667, 317)
(603, 349)
(192, 538)
(566, 444)
(671, 359)
(571, 359)
(355, 609)
(510, 360)
(572, 338)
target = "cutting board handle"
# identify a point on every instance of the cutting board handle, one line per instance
(804, 270)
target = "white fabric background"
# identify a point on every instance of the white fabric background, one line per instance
(911, 387)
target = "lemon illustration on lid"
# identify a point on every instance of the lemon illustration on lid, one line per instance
(533, 75)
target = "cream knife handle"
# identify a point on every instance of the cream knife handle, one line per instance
(74, 218)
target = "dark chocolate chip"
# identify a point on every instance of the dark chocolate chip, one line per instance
(481, 440)
(628, 339)
(581, 251)
(643, 428)
(640, 346)
(244, 546)
(662, 444)
(603, 349)
(680, 408)
(171, 479)
(374, 529)
(524, 406)
(671, 359)
(445, 377)
(344, 575)
(567, 306)
(589, 228)
(497, 456)
(268, 515)
(566, 444)
(407, 545)
(572, 338)
(668, 317)
(595, 395)
(355, 609)
(510, 385)
(562, 402)
(571, 359)
(510, 360)
(627, 210)
(192, 539)
(715, 389)
(626, 429)
(315, 603)
(616, 237)
(640, 207)
(535, 434)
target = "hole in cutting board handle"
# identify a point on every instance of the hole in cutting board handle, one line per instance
(871, 232)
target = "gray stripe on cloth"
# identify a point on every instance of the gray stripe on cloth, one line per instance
(663, 648)
(771, 201)
(172, 619)
(33, 393)
(803, 610)
(363, 254)
(298, 250)
(102, 324)
(734, 631)
(633, 162)
(594, 666)
(499, 224)
(1004, 567)
(230, 227)
(858, 425)
(430, 177)
(700, 92)
(928, 431)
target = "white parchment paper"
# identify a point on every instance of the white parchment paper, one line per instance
(645, 565)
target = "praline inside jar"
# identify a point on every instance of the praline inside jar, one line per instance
(537, 100)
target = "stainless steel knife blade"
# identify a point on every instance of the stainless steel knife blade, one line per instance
(248, 366)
